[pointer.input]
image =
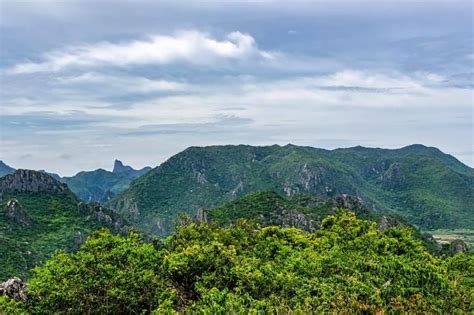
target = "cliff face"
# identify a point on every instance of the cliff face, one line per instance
(15, 212)
(22, 181)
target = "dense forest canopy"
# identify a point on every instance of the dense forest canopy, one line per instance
(347, 265)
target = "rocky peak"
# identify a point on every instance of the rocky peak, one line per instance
(31, 181)
(120, 168)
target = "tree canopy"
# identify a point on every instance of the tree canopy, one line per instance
(346, 266)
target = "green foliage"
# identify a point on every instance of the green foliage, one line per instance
(11, 307)
(56, 222)
(347, 266)
(461, 269)
(429, 188)
(268, 205)
(304, 212)
(110, 274)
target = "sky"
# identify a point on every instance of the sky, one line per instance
(86, 82)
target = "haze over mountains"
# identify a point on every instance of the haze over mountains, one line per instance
(97, 185)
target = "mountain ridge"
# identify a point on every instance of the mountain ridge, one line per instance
(5, 169)
(423, 184)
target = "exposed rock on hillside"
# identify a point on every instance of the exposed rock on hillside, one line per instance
(31, 181)
(14, 288)
(387, 222)
(15, 211)
(201, 216)
(39, 215)
(107, 217)
(458, 246)
(349, 202)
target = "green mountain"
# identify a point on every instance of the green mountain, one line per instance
(102, 185)
(5, 169)
(427, 187)
(39, 215)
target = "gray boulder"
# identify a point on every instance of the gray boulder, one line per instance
(14, 288)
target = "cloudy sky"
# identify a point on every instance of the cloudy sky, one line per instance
(85, 82)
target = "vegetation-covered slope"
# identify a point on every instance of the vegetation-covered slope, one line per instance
(269, 208)
(307, 212)
(347, 266)
(429, 188)
(39, 215)
(5, 169)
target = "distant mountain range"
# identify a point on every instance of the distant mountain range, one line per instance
(5, 169)
(275, 185)
(427, 187)
(97, 185)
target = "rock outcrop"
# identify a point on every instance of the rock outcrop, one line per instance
(15, 211)
(105, 216)
(387, 222)
(458, 246)
(31, 181)
(14, 288)
(349, 202)
(293, 218)
(201, 216)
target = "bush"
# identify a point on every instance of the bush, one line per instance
(11, 307)
(347, 266)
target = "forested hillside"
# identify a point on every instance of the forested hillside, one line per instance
(39, 215)
(424, 185)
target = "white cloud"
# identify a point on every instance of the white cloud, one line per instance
(122, 84)
(190, 46)
(359, 107)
